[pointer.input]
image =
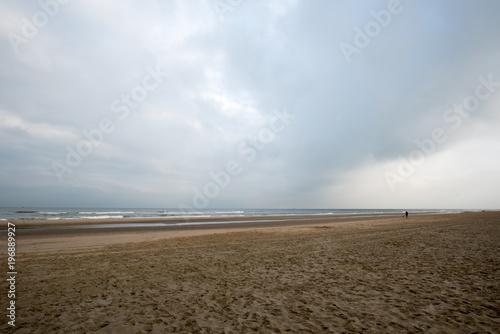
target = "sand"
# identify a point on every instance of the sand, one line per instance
(432, 274)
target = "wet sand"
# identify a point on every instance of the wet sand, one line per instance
(432, 274)
(75, 234)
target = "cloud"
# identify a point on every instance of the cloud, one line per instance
(228, 76)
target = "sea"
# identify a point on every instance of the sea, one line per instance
(55, 213)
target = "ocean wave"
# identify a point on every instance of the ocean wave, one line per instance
(101, 217)
(178, 213)
(210, 213)
(218, 212)
(104, 212)
(51, 213)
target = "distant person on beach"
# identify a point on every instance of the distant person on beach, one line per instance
(406, 214)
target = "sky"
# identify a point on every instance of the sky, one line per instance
(250, 104)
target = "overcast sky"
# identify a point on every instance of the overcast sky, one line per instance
(250, 104)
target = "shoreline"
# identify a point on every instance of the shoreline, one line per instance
(97, 218)
(43, 236)
(29, 223)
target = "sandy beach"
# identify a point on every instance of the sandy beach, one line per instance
(425, 274)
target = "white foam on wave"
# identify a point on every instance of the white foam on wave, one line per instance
(229, 212)
(101, 217)
(104, 212)
(204, 213)
(183, 213)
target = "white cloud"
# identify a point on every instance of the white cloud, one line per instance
(461, 176)
(38, 131)
(227, 77)
(281, 7)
